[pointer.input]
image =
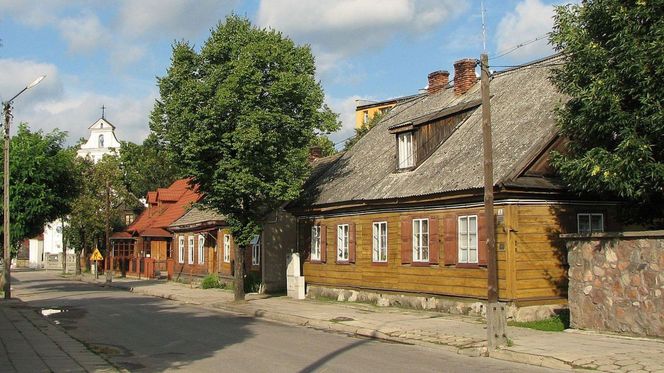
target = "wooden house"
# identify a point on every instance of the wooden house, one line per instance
(402, 211)
(203, 244)
(148, 236)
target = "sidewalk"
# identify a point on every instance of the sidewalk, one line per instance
(31, 344)
(465, 335)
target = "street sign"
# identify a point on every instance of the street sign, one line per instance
(96, 255)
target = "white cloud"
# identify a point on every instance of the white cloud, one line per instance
(174, 19)
(338, 29)
(529, 20)
(48, 105)
(84, 33)
(345, 107)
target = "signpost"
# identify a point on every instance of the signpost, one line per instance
(96, 257)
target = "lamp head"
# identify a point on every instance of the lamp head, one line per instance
(37, 81)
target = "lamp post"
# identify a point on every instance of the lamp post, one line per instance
(7, 108)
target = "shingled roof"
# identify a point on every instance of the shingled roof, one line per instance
(197, 217)
(522, 103)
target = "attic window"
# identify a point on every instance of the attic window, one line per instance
(405, 149)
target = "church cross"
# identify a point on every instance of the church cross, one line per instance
(103, 110)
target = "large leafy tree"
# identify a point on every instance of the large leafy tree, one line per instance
(41, 181)
(145, 166)
(238, 116)
(86, 222)
(614, 119)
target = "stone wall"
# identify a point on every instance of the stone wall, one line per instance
(616, 281)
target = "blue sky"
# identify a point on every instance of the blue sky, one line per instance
(109, 53)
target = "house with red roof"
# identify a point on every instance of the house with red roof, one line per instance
(148, 237)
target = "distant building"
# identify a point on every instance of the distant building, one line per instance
(102, 141)
(365, 110)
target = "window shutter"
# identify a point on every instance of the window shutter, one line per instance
(351, 242)
(323, 243)
(450, 239)
(406, 239)
(306, 241)
(481, 239)
(433, 240)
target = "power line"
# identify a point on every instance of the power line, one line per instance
(507, 51)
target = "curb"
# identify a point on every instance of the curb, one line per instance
(472, 350)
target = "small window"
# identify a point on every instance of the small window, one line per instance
(315, 243)
(365, 117)
(420, 240)
(129, 218)
(468, 239)
(101, 141)
(380, 242)
(227, 248)
(406, 158)
(342, 242)
(201, 249)
(256, 250)
(181, 249)
(190, 257)
(590, 223)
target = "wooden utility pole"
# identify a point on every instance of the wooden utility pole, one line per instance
(495, 315)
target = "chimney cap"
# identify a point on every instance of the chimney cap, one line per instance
(465, 61)
(438, 72)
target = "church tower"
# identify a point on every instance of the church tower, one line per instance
(102, 140)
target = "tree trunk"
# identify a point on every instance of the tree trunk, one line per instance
(239, 274)
(81, 258)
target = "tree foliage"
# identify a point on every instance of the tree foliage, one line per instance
(41, 172)
(324, 143)
(238, 117)
(86, 223)
(614, 120)
(146, 166)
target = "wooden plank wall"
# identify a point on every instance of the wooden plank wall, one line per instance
(394, 276)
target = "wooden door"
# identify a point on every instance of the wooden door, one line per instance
(158, 249)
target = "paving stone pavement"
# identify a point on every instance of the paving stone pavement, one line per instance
(29, 343)
(465, 335)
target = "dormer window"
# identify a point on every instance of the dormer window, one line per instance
(405, 144)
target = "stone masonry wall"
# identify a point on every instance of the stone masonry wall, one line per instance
(616, 282)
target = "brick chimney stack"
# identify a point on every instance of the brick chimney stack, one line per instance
(437, 81)
(315, 152)
(464, 75)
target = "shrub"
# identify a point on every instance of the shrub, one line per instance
(211, 282)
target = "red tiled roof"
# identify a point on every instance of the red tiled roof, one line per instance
(158, 217)
(155, 232)
(121, 235)
(152, 197)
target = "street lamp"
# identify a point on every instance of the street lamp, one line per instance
(7, 109)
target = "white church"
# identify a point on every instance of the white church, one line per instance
(47, 252)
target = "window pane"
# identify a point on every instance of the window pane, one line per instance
(584, 223)
(596, 222)
(472, 224)
(472, 255)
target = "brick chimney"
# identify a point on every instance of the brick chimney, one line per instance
(315, 152)
(437, 81)
(464, 75)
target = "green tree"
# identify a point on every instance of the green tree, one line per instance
(239, 117)
(363, 130)
(89, 211)
(324, 143)
(40, 182)
(614, 119)
(146, 166)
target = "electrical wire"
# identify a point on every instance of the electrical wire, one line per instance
(507, 51)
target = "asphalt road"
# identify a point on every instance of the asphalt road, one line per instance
(147, 334)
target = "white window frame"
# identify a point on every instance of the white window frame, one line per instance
(181, 249)
(315, 243)
(190, 251)
(343, 238)
(468, 248)
(589, 216)
(227, 248)
(256, 250)
(365, 117)
(379, 252)
(201, 249)
(406, 157)
(420, 241)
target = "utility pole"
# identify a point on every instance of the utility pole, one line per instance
(495, 315)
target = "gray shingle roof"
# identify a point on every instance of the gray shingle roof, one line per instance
(522, 103)
(197, 216)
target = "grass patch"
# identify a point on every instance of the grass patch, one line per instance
(557, 323)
